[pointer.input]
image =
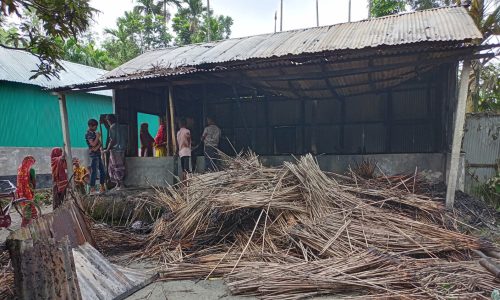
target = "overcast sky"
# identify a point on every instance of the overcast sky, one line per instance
(253, 17)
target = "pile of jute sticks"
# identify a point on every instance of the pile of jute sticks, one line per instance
(294, 232)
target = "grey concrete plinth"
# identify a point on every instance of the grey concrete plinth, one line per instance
(149, 171)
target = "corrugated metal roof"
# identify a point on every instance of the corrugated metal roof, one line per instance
(449, 24)
(99, 279)
(17, 66)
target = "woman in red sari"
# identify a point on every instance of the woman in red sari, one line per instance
(59, 176)
(26, 184)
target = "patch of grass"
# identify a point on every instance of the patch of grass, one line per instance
(490, 192)
(43, 197)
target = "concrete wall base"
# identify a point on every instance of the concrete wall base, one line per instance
(160, 171)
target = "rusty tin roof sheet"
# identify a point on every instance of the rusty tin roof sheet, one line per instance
(449, 24)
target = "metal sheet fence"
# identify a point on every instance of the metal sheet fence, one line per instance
(482, 149)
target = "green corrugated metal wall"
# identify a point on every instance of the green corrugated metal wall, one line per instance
(153, 123)
(29, 116)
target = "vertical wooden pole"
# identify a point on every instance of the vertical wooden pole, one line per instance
(314, 128)
(458, 132)
(65, 131)
(208, 29)
(113, 101)
(165, 120)
(204, 112)
(317, 14)
(281, 16)
(275, 20)
(349, 17)
(172, 116)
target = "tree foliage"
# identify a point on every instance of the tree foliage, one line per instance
(489, 91)
(86, 52)
(486, 15)
(380, 8)
(428, 4)
(142, 29)
(41, 25)
(193, 24)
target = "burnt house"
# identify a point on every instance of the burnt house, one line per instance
(384, 88)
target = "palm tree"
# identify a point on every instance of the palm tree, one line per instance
(486, 15)
(194, 12)
(166, 4)
(156, 7)
(148, 7)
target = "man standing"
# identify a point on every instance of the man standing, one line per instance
(94, 144)
(184, 145)
(116, 151)
(211, 137)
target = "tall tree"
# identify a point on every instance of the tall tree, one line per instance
(486, 15)
(85, 51)
(489, 88)
(427, 4)
(148, 7)
(192, 24)
(50, 20)
(142, 29)
(166, 12)
(157, 7)
(120, 44)
(380, 8)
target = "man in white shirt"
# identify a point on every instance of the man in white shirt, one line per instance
(184, 147)
(210, 139)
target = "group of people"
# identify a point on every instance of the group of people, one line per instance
(26, 181)
(83, 177)
(115, 148)
(157, 146)
(86, 177)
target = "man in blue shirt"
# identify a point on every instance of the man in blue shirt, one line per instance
(93, 139)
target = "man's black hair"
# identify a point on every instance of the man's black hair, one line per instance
(111, 118)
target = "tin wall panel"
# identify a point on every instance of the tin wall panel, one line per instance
(481, 145)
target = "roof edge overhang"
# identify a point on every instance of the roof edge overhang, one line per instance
(179, 76)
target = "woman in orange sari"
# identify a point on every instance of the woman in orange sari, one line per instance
(26, 184)
(59, 176)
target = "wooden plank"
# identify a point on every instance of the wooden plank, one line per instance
(65, 130)
(458, 134)
(172, 116)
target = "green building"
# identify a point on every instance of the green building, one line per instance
(30, 120)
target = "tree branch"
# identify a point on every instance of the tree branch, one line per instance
(12, 48)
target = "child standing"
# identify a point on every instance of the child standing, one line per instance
(93, 139)
(81, 176)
